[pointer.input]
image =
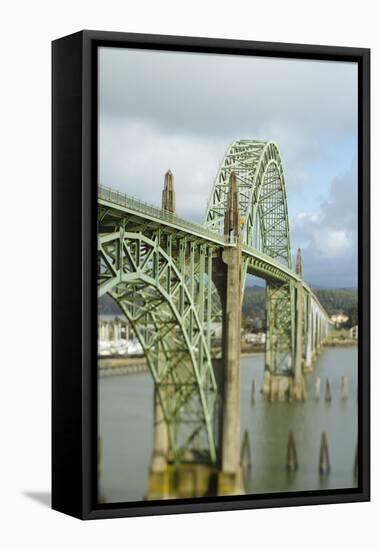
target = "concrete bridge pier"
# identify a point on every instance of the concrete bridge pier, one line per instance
(159, 477)
(266, 385)
(308, 346)
(230, 476)
(318, 334)
(279, 386)
(298, 382)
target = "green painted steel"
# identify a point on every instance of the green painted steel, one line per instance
(262, 198)
(160, 270)
(264, 223)
(169, 310)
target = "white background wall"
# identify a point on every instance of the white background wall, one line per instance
(26, 31)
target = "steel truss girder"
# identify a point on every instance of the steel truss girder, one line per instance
(263, 210)
(280, 332)
(164, 288)
(262, 197)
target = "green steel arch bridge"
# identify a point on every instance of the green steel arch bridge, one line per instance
(175, 280)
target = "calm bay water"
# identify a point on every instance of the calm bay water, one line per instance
(126, 418)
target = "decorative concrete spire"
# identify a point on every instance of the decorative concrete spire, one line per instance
(168, 193)
(231, 220)
(299, 263)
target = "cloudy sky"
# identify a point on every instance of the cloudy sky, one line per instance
(160, 110)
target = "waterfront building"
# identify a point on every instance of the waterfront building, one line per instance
(354, 332)
(254, 338)
(339, 318)
(116, 337)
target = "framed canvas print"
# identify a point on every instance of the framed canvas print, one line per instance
(210, 274)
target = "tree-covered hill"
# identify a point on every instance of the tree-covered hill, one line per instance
(340, 300)
(334, 300)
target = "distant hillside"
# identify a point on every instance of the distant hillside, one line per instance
(340, 300)
(334, 300)
(254, 308)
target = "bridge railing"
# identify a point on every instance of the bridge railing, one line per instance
(142, 207)
(137, 205)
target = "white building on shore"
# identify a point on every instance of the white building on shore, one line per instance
(354, 332)
(115, 337)
(257, 338)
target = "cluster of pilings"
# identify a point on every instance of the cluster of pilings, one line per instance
(281, 389)
(324, 462)
(328, 393)
(292, 462)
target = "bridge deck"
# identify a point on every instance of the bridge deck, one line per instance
(262, 264)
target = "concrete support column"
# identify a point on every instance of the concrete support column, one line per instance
(298, 383)
(159, 475)
(268, 348)
(160, 445)
(317, 334)
(298, 374)
(230, 479)
(308, 349)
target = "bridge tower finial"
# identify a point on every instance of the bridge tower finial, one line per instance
(168, 193)
(299, 263)
(231, 220)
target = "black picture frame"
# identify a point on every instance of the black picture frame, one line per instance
(74, 315)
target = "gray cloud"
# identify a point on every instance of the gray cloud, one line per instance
(328, 235)
(161, 110)
(228, 95)
(143, 156)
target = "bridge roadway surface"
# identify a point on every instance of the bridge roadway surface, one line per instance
(262, 265)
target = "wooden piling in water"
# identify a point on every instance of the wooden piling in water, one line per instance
(292, 463)
(317, 388)
(274, 389)
(344, 387)
(245, 459)
(304, 393)
(253, 391)
(324, 462)
(328, 391)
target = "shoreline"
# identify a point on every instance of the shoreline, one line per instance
(138, 363)
(116, 361)
(340, 343)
